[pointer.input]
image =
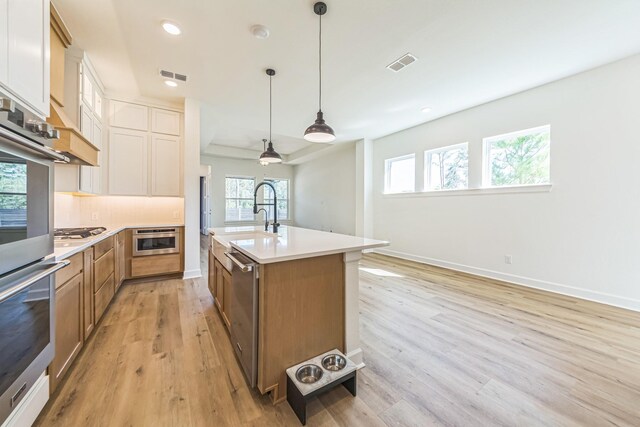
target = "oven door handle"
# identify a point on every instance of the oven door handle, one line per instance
(33, 279)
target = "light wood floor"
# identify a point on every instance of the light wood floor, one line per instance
(441, 348)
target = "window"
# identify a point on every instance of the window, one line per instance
(447, 168)
(282, 192)
(239, 198)
(399, 174)
(518, 158)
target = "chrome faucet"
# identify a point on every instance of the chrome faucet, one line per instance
(274, 204)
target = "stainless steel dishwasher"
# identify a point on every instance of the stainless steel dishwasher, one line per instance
(244, 313)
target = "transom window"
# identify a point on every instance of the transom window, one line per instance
(239, 198)
(282, 192)
(399, 174)
(447, 168)
(518, 158)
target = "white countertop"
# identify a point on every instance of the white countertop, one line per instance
(290, 243)
(64, 248)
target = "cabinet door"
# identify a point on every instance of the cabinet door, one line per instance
(86, 122)
(120, 259)
(165, 165)
(128, 162)
(28, 52)
(129, 116)
(88, 315)
(211, 282)
(96, 171)
(219, 289)
(226, 297)
(69, 328)
(165, 121)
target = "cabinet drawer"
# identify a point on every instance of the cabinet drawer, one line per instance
(102, 269)
(69, 271)
(155, 265)
(102, 247)
(103, 297)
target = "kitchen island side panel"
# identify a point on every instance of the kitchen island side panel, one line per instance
(301, 315)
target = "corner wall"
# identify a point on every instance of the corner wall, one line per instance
(325, 191)
(581, 238)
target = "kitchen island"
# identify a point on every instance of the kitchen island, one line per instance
(307, 294)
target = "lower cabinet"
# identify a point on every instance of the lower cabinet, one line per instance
(120, 259)
(89, 317)
(220, 287)
(103, 275)
(154, 265)
(69, 327)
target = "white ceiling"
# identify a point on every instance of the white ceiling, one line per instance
(469, 52)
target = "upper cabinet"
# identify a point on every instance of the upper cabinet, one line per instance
(60, 40)
(145, 150)
(24, 52)
(165, 121)
(128, 116)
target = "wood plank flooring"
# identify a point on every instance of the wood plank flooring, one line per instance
(441, 348)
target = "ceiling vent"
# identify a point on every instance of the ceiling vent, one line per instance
(402, 62)
(172, 75)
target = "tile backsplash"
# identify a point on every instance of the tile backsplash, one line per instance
(75, 211)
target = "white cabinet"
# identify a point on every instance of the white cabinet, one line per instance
(129, 116)
(165, 121)
(165, 165)
(24, 52)
(128, 157)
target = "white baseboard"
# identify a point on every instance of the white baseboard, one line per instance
(356, 357)
(614, 300)
(192, 274)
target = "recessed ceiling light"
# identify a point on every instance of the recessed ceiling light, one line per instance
(171, 83)
(171, 28)
(260, 31)
(426, 109)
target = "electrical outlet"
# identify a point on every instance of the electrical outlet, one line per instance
(508, 259)
(94, 216)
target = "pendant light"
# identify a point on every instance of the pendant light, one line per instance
(270, 155)
(319, 131)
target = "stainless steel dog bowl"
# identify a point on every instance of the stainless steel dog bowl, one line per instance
(334, 362)
(309, 374)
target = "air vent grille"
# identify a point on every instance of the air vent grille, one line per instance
(402, 62)
(172, 75)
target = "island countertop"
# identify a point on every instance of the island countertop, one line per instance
(290, 243)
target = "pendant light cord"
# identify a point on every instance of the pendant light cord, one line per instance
(320, 65)
(270, 108)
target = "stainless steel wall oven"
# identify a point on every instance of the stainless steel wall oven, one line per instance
(26, 240)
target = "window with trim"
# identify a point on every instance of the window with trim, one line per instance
(239, 198)
(282, 192)
(518, 158)
(399, 174)
(447, 168)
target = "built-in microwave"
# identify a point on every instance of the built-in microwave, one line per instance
(156, 241)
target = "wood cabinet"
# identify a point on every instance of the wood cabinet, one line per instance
(89, 319)
(69, 327)
(120, 259)
(128, 151)
(24, 52)
(219, 289)
(211, 279)
(155, 265)
(226, 296)
(103, 275)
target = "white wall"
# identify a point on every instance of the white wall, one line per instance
(582, 238)
(325, 189)
(221, 167)
(191, 168)
(110, 211)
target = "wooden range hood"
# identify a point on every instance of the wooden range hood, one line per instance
(71, 141)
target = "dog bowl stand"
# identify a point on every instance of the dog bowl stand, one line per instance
(299, 394)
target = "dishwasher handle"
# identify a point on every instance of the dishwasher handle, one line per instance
(243, 267)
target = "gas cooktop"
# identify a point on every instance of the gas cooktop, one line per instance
(77, 233)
